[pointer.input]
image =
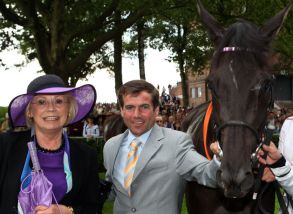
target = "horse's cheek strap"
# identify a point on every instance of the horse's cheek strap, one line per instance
(205, 129)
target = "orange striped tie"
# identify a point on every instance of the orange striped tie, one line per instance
(132, 158)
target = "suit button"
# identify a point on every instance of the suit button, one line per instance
(133, 210)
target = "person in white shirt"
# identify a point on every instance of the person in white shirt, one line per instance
(285, 140)
(90, 129)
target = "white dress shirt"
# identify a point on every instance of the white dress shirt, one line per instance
(286, 139)
(123, 152)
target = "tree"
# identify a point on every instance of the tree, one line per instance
(179, 31)
(64, 35)
(257, 11)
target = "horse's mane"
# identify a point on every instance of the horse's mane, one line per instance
(113, 126)
(193, 125)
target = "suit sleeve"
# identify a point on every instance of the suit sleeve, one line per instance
(193, 166)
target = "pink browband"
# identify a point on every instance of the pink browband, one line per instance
(229, 49)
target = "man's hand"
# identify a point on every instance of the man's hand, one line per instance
(268, 175)
(216, 149)
(273, 154)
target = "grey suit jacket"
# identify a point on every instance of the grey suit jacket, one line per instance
(167, 160)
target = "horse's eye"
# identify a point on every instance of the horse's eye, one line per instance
(266, 86)
(210, 85)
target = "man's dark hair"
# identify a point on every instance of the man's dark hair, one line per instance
(135, 87)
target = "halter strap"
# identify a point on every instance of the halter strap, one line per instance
(205, 129)
(232, 49)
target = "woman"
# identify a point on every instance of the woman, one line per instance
(71, 167)
(90, 130)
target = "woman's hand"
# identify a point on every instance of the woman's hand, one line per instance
(53, 209)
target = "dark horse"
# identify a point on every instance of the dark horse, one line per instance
(240, 84)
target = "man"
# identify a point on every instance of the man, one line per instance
(163, 159)
(171, 122)
(159, 120)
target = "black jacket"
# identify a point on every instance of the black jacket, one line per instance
(84, 195)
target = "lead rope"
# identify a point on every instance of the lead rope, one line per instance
(205, 129)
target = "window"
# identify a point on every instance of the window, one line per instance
(195, 92)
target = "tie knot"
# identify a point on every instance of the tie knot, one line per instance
(135, 143)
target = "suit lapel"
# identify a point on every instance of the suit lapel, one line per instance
(150, 148)
(115, 149)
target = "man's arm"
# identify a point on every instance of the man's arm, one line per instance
(193, 166)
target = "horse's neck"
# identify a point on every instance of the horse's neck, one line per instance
(195, 128)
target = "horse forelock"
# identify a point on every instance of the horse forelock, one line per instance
(245, 35)
(254, 47)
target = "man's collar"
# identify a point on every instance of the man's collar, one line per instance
(143, 138)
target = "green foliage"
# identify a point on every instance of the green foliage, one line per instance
(3, 111)
(259, 11)
(72, 38)
(67, 37)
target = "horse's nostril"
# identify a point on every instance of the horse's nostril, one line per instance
(235, 186)
(247, 182)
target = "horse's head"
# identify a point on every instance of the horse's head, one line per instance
(240, 83)
(113, 126)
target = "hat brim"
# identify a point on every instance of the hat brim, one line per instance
(85, 97)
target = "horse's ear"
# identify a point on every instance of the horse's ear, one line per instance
(274, 24)
(215, 30)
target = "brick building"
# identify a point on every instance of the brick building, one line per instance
(197, 89)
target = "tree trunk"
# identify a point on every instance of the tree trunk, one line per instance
(184, 84)
(118, 54)
(141, 47)
(182, 41)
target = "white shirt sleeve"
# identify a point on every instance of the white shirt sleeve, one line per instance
(286, 139)
(284, 175)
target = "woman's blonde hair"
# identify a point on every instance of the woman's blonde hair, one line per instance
(72, 111)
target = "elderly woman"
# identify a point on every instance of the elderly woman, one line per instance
(71, 167)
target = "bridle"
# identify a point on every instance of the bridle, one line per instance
(230, 123)
(235, 123)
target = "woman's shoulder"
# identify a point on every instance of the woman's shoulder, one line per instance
(10, 135)
(81, 146)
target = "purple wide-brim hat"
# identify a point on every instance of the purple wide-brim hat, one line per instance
(85, 97)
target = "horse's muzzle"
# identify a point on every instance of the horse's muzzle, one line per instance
(236, 186)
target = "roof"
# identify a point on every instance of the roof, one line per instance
(287, 104)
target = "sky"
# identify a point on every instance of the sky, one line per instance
(159, 71)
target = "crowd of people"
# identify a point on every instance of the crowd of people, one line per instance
(70, 168)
